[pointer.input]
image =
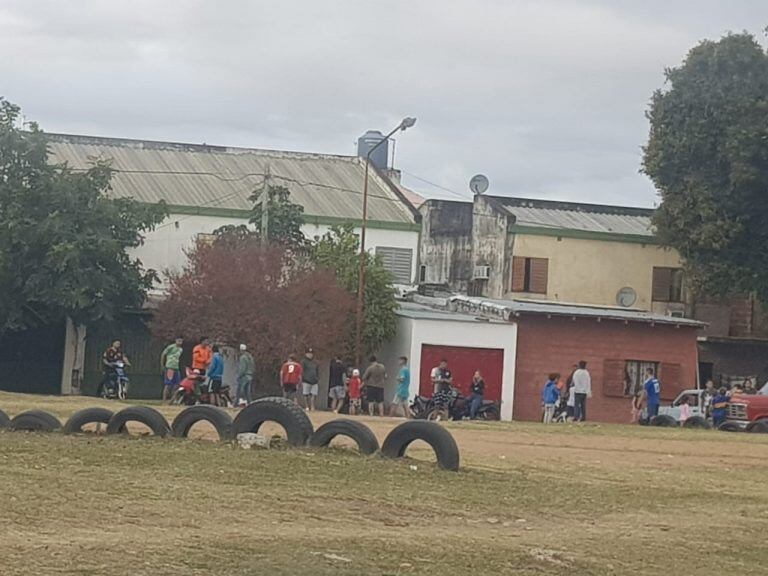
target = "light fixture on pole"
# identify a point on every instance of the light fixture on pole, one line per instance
(406, 123)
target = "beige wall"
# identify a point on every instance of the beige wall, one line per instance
(593, 271)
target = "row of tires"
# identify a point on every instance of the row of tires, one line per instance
(667, 421)
(297, 425)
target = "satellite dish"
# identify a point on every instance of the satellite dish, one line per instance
(626, 297)
(478, 184)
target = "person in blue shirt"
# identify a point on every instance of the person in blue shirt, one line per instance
(719, 407)
(403, 389)
(215, 374)
(652, 389)
(550, 396)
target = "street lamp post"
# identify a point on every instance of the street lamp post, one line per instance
(404, 125)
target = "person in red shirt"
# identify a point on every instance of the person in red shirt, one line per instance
(354, 386)
(290, 378)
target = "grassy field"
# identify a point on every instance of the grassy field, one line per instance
(529, 500)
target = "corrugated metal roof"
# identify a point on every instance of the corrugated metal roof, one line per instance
(575, 216)
(219, 177)
(422, 312)
(510, 308)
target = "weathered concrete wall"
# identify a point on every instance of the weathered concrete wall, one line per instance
(446, 243)
(491, 245)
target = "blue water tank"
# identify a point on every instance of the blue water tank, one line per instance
(380, 157)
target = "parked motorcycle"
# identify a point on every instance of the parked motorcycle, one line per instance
(454, 407)
(117, 387)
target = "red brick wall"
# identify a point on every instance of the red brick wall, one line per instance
(547, 345)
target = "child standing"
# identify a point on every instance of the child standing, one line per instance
(719, 407)
(354, 386)
(550, 396)
(637, 408)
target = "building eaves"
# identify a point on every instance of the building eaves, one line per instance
(510, 309)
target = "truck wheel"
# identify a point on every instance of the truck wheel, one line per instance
(697, 422)
(144, 414)
(298, 427)
(188, 417)
(759, 426)
(87, 416)
(436, 436)
(664, 420)
(729, 427)
(5, 422)
(362, 435)
(35, 421)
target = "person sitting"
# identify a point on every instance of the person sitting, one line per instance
(477, 392)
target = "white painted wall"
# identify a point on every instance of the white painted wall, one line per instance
(164, 247)
(413, 333)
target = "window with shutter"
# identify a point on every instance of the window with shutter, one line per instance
(613, 378)
(635, 375)
(539, 275)
(518, 274)
(398, 261)
(530, 274)
(667, 285)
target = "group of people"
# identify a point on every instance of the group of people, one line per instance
(205, 378)
(345, 382)
(568, 397)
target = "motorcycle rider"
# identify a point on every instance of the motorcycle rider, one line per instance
(109, 360)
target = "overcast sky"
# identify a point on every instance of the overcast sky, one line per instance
(546, 98)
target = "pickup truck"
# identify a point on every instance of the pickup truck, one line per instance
(747, 412)
(669, 415)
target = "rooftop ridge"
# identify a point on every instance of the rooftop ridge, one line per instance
(512, 201)
(189, 147)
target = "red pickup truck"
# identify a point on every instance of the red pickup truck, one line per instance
(748, 412)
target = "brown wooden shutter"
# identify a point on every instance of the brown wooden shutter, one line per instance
(539, 275)
(669, 377)
(662, 280)
(518, 274)
(613, 378)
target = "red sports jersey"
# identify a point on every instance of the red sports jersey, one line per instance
(290, 373)
(354, 387)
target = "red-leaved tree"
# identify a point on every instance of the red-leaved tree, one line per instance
(236, 291)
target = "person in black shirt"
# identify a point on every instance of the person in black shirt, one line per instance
(477, 391)
(336, 389)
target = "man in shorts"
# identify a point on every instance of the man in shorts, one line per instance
(336, 389)
(169, 364)
(290, 377)
(310, 376)
(373, 379)
(403, 389)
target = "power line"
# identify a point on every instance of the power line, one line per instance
(459, 194)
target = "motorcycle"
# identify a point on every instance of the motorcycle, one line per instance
(453, 405)
(185, 394)
(117, 387)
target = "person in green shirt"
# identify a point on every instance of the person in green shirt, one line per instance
(245, 370)
(169, 364)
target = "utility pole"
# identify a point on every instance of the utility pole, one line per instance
(265, 208)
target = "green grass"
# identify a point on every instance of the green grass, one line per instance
(576, 500)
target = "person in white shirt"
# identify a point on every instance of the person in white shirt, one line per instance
(582, 388)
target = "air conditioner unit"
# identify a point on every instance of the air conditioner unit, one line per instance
(677, 313)
(481, 273)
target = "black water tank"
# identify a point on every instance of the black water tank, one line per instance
(380, 157)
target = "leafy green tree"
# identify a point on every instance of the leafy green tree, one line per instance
(707, 155)
(285, 220)
(63, 241)
(338, 250)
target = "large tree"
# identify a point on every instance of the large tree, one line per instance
(63, 240)
(237, 291)
(338, 250)
(707, 154)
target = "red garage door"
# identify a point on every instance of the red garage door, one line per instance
(463, 361)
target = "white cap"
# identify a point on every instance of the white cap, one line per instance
(243, 347)
(355, 372)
